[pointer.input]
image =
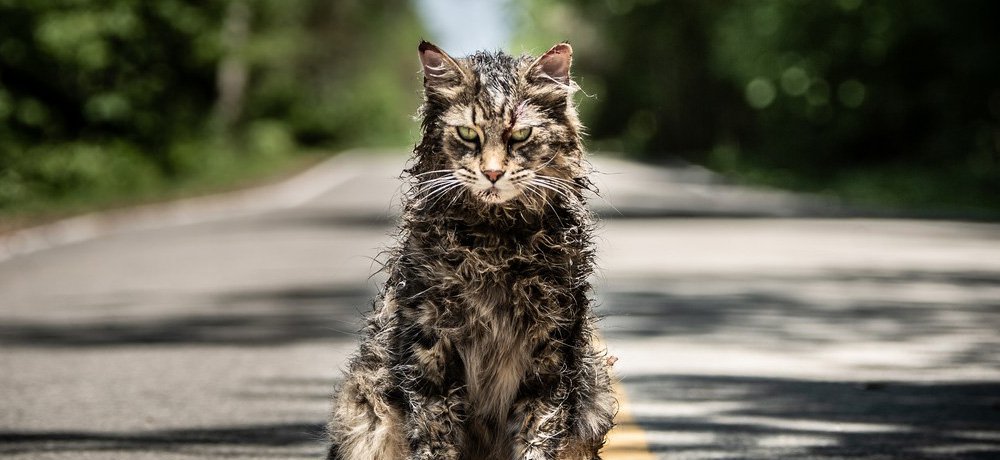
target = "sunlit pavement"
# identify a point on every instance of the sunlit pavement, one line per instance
(744, 330)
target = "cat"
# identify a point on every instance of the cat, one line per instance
(481, 344)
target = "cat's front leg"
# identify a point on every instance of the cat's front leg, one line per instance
(540, 418)
(546, 432)
(564, 410)
(434, 398)
(434, 427)
(594, 402)
(542, 423)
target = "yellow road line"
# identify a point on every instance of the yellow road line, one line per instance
(626, 441)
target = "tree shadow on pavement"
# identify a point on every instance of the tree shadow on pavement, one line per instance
(251, 318)
(712, 417)
(285, 440)
(305, 438)
(960, 309)
(897, 324)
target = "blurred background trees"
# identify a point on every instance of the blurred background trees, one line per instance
(884, 102)
(112, 100)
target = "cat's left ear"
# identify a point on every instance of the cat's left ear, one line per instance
(554, 64)
(440, 70)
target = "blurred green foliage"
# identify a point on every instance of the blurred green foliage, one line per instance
(889, 102)
(111, 100)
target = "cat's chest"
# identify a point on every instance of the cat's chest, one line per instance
(496, 356)
(498, 290)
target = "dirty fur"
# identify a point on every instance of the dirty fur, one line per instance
(481, 345)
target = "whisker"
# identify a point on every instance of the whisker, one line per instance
(568, 182)
(454, 199)
(563, 193)
(550, 160)
(561, 179)
(431, 172)
(435, 183)
(438, 187)
(535, 197)
(427, 197)
(565, 184)
(567, 194)
(542, 196)
(443, 192)
(430, 181)
(556, 181)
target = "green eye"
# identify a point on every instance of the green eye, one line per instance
(521, 134)
(468, 134)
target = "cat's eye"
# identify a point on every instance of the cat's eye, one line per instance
(468, 134)
(520, 135)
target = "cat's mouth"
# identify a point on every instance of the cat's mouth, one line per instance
(494, 195)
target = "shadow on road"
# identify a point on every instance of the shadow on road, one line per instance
(686, 415)
(300, 439)
(251, 318)
(842, 327)
(241, 441)
(695, 417)
(958, 312)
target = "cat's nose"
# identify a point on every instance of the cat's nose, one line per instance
(493, 174)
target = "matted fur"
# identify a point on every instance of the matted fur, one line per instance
(481, 345)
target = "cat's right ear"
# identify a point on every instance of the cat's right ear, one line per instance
(440, 70)
(554, 65)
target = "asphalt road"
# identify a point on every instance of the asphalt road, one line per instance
(747, 325)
